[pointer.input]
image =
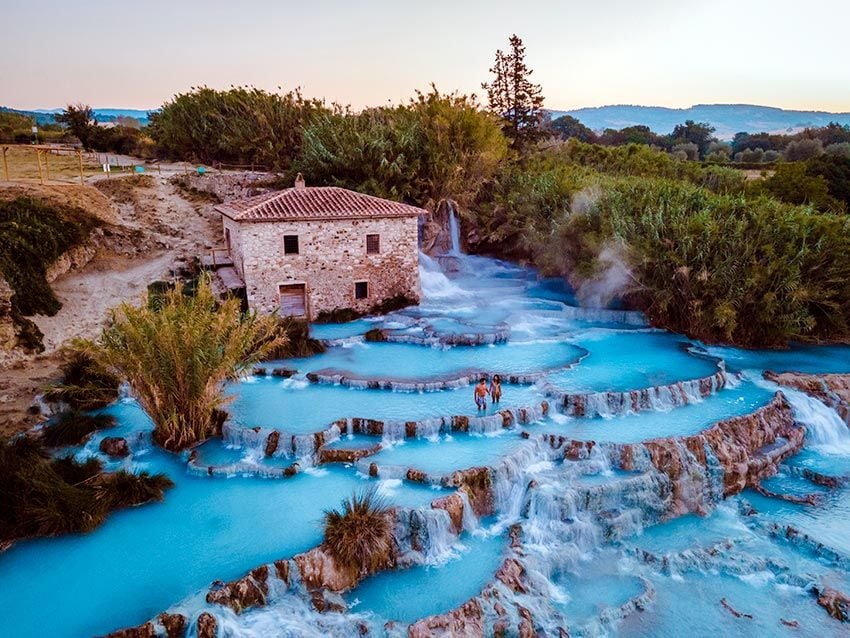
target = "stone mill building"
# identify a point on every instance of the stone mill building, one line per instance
(305, 250)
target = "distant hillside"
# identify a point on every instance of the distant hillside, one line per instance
(47, 116)
(728, 119)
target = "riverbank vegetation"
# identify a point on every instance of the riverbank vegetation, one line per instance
(178, 354)
(33, 234)
(45, 496)
(661, 221)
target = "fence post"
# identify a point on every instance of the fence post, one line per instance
(47, 164)
(5, 163)
(80, 159)
(38, 161)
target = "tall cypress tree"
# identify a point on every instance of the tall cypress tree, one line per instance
(513, 96)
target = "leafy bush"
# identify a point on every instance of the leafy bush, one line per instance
(33, 234)
(178, 357)
(40, 496)
(359, 536)
(434, 147)
(242, 125)
(755, 272)
(295, 340)
(85, 384)
(72, 428)
(794, 183)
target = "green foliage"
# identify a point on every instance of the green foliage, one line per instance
(359, 536)
(700, 134)
(40, 496)
(637, 134)
(242, 125)
(835, 171)
(72, 428)
(79, 118)
(434, 147)
(294, 336)
(85, 384)
(567, 127)
(792, 182)
(177, 358)
(516, 211)
(801, 150)
(754, 272)
(637, 160)
(33, 234)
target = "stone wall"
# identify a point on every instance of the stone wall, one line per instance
(230, 185)
(332, 257)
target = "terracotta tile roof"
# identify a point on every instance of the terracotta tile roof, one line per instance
(316, 202)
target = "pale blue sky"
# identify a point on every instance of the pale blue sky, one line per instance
(585, 53)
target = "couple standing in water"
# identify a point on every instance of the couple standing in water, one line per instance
(481, 392)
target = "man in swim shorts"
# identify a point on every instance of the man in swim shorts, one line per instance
(480, 394)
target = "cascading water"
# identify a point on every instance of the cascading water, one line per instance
(596, 541)
(454, 232)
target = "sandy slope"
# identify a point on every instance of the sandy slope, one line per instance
(155, 226)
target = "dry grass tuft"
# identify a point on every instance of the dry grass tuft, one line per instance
(360, 535)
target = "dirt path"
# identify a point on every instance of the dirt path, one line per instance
(156, 227)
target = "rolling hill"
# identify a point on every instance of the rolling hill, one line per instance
(728, 119)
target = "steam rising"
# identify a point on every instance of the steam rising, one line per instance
(611, 280)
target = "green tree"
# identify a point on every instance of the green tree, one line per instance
(701, 134)
(79, 118)
(567, 127)
(512, 95)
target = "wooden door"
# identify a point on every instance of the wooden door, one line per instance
(293, 302)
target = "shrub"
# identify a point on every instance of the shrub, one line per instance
(178, 357)
(33, 234)
(359, 536)
(754, 272)
(242, 125)
(40, 496)
(72, 428)
(85, 383)
(295, 340)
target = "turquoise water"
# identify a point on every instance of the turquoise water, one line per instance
(448, 453)
(682, 421)
(401, 595)
(144, 559)
(300, 407)
(416, 363)
(582, 525)
(628, 361)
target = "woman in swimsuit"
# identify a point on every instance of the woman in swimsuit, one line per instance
(496, 388)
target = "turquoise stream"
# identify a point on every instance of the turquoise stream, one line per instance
(148, 559)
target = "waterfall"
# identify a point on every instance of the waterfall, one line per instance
(435, 284)
(826, 430)
(454, 232)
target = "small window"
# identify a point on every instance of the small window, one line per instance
(290, 244)
(361, 290)
(373, 244)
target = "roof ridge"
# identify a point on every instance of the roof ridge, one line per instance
(315, 202)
